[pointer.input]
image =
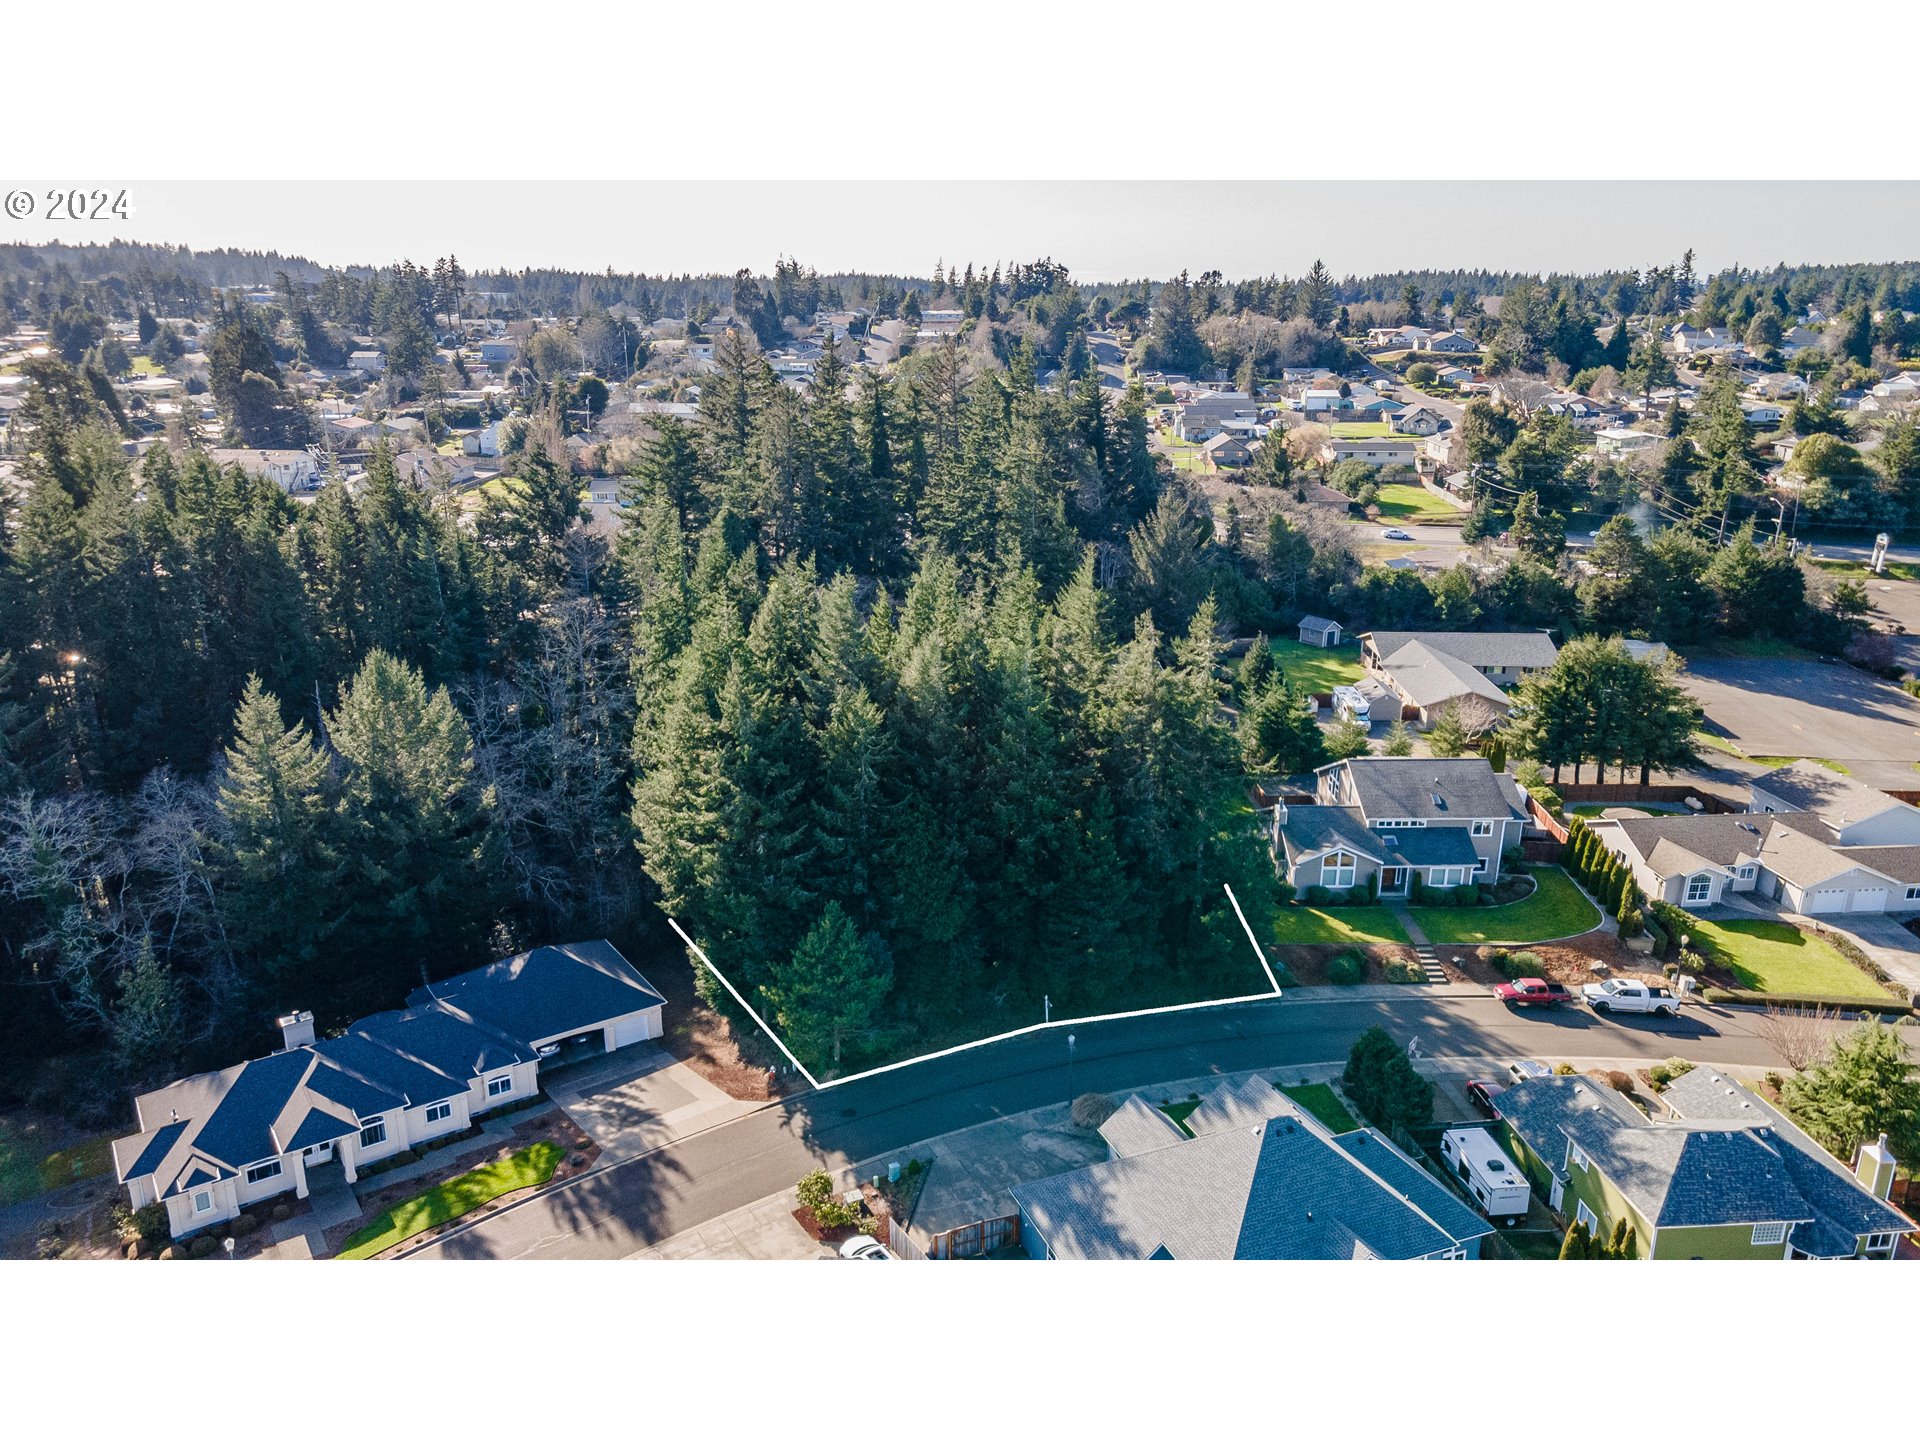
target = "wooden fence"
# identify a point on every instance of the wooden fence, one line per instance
(1591, 792)
(978, 1238)
(897, 1238)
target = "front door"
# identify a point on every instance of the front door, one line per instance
(317, 1154)
(1393, 879)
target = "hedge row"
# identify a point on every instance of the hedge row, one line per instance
(1713, 995)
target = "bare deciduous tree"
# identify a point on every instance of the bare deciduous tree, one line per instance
(1800, 1037)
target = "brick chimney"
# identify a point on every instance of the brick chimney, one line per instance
(295, 1029)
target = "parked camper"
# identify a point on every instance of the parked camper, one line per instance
(1495, 1181)
(1349, 702)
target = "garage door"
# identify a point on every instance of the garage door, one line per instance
(1821, 902)
(1869, 899)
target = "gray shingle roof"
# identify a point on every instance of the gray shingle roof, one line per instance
(1733, 1159)
(1427, 677)
(1283, 1189)
(1139, 1126)
(1468, 788)
(1318, 623)
(1840, 800)
(1311, 829)
(1531, 648)
(1434, 845)
(1713, 839)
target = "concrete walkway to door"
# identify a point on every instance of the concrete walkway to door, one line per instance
(330, 1202)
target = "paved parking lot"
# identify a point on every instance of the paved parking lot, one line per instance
(1804, 708)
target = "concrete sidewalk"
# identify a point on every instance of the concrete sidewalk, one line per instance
(764, 1230)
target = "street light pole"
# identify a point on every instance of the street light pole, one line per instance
(1070, 1041)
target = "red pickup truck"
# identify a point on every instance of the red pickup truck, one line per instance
(1529, 991)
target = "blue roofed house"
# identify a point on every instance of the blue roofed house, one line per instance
(210, 1145)
(1445, 822)
(1258, 1178)
(1725, 1177)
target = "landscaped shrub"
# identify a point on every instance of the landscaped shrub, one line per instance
(1668, 1071)
(202, 1246)
(244, 1225)
(1090, 1112)
(1714, 995)
(1346, 968)
(1549, 799)
(1675, 922)
(283, 1212)
(150, 1223)
(1383, 1084)
(1400, 971)
(814, 1190)
(1621, 1081)
(1563, 1068)
(1517, 963)
(1319, 895)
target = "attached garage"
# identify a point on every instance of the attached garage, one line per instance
(1872, 899)
(1824, 902)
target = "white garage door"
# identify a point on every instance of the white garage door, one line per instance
(1821, 902)
(1869, 899)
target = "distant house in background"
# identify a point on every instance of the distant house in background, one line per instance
(371, 362)
(1619, 440)
(1318, 630)
(1227, 452)
(289, 469)
(1377, 453)
(1251, 1176)
(1418, 420)
(1451, 342)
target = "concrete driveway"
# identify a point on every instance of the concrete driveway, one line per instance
(1804, 708)
(639, 1099)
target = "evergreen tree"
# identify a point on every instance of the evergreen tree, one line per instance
(833, 987)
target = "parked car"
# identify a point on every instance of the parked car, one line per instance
(1395, 533)
(864, 1247)
(1630, 997)
(1482, 1093)
(1529, 991)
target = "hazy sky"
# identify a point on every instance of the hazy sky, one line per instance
(1099, 229)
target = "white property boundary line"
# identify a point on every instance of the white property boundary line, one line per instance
(1005, 1034)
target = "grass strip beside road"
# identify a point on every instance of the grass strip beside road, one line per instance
(451, 1199)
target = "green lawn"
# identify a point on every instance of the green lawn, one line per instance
(1310, 668)
(1364, 430)
(1346, 925)
(1772, 762)
(1178, 1111)
(1320, 1102)
(1896, 569)
(1416, 503)
(144, 365)
(1773, 955)
(27, 1170)
(1554, 911)
(453, 1198)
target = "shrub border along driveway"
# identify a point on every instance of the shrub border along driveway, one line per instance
(1556, 910)
(452, 1198)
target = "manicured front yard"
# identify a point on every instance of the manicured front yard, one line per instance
(1310, 669)
(1773, 955)
(1363, 430)
(453, 1198)
(1320, 1102)
(1343, 925)
(1554, 911)
(1417, 504)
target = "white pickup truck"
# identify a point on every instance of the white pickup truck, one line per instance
(1630, 997)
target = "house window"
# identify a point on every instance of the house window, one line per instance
(1480, 866)
(1588, 1218)
(1483, 827)
(503, 1084)
(1880, 1244)
(266, 1171)
(1770, 1233)
(437, 1113)
(1913, 892)
(202, 1202)
(1336, 872)
(374, 1132)
(1576, 1156)
(1745, 872)
(1699, 889)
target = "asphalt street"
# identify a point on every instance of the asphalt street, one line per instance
(610, 1213)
